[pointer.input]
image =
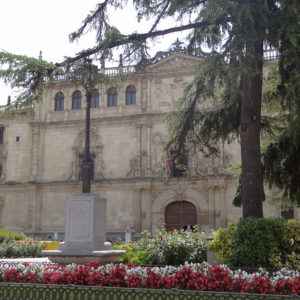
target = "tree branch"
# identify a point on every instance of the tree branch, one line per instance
(126, 39)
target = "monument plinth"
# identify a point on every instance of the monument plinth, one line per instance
(85, 219)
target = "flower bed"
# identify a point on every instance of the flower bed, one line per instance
(201, 277)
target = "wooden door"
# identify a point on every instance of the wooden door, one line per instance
(180, 214)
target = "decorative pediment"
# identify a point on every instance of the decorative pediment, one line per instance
(174, 62)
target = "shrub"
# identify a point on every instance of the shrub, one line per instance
(133, 254)
(253, 243)
(221, 243)
(293, 235)
(13, 249)
(293, 244)
(11, 235)
(167, 248)
(259, 243)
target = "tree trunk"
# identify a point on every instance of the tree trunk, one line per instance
(252, 193)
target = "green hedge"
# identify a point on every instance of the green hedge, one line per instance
(270, 243)
(60, 292)
(259, 243)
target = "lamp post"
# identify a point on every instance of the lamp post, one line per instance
(89, 75)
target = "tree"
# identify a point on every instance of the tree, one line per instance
(234, 33)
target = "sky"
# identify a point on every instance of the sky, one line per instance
(30, 26)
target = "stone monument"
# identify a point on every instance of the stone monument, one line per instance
(84, 232)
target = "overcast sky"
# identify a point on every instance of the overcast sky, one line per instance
(28, 26)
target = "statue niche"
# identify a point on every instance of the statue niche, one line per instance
(96, 149)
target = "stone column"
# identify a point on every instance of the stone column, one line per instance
(140, 148)
(149, 150)
(35, 151)
(212, 206)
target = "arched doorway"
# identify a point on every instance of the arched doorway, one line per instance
(180, 214)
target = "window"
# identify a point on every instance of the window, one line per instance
(1, 135)
(130, 95)
(76, 100)
(95, 100)
(59, 101)
(112, 97)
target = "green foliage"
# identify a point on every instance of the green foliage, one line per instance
(281, 159)
(259, 243)
(14, 249)
(221, 244)
(293, 242)
(254, 243)
(25, 73)
(133, 255)
(282, 162)
(11, 235)
(166, 248)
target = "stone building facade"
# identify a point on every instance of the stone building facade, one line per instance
(41, 149)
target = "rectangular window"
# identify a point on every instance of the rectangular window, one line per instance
(1, 135)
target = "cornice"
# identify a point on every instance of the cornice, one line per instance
(138, 181)
(103, 119)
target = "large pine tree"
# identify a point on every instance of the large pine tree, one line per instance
(234, 33)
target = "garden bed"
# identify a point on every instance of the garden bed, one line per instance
(200, 277)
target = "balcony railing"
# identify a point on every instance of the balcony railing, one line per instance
(107, 72)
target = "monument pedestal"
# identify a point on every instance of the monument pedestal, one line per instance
(85, 219)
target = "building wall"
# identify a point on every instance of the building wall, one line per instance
(128, 142)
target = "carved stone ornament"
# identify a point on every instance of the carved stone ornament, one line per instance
(201, 165)
(158, 156)
(137, 165)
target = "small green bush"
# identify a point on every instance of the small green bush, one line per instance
(293, 235)
(11, 235)
(133, 254)
(15, 249)
(293, 245)
(253, 243)
(259, 243)
(167, 248)
(221, 243)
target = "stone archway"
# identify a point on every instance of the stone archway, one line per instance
(180, 215)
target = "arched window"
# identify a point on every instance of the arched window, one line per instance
(112, 97)
(130, 95)
(180, 215)
(59, 101)
(76, 100)
(95, 100)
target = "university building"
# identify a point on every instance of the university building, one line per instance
(41, 149)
